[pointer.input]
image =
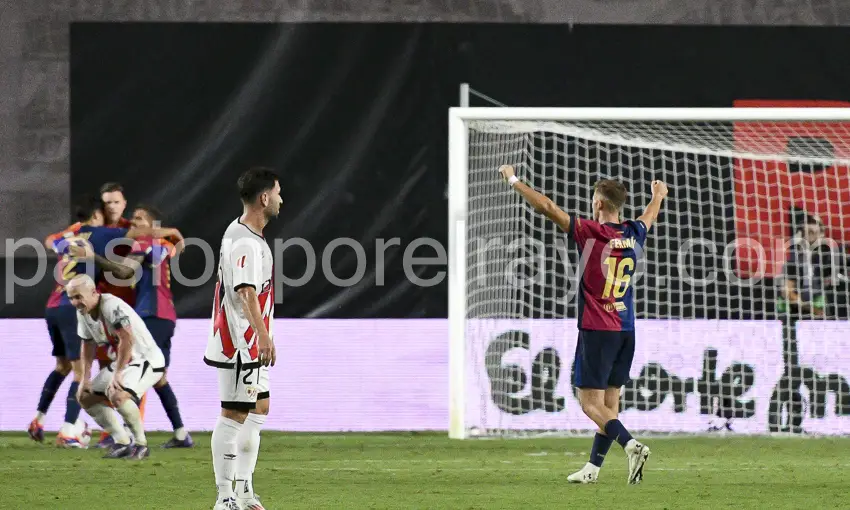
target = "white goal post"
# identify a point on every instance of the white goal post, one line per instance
(719, 345)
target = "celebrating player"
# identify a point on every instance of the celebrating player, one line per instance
(155, 305)
(61, 316)
(114, 204)
(241, 344)
(606, 320)
(104, 319)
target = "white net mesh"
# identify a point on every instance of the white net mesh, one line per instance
(719, 344)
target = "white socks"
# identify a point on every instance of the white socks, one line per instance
(225, 455)
(249, 449)
(104, 417)
(130, 412)
(180, 434)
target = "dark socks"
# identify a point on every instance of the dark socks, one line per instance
(48, 392)
(616, 430)
(72, 408)
(601, 445)
(169, 403)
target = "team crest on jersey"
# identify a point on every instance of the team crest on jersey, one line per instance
(251, 391)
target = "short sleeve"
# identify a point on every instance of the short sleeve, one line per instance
(114, 313)
(83, 331)
(576, 230)
(246, 261)
(639, 229)
(582, 229)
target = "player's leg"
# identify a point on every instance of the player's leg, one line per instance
(248, 444)
(98, 407)
(103, 361)
(71, 435)
(162, 330)
(53, 381)
(636, 451)
(601, 443)
(593, 363)
(136, 379)
(238, 394)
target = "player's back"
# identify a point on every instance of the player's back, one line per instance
(609, 254)
(245, 259)
(68, 267)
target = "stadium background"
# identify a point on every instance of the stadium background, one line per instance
(354, 117)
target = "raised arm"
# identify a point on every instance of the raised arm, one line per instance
(650, 214)
(541, 203)
(158, 232)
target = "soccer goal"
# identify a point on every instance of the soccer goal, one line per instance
(722, 345)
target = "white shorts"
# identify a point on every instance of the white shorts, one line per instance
(240, 390)
(137, 378)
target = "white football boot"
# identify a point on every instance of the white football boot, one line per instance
(226, 504)
(637, 453)
(588, 474)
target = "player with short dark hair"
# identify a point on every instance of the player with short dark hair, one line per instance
(61, 316)
(155, 305)
(114, 204)
(241, 345)
(606, 317)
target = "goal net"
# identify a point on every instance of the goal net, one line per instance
(740, 296)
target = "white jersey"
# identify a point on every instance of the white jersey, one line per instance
(115, 314)
(245, 259)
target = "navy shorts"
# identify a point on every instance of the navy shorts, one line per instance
(161, 330)
(603, 359)
(62, 327)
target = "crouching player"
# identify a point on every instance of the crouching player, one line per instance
(103, 319)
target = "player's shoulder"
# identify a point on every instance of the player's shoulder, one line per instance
(111, 301)
(580, 222)
(634, 225)
(238, 234)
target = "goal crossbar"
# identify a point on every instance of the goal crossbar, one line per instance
(747, 114)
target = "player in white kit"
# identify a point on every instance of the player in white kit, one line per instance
(137, 364)
(241, 344)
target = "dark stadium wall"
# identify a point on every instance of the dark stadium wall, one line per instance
(354, 117)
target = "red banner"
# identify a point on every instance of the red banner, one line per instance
(767, 191)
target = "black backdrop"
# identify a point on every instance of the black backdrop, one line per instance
(354, 117)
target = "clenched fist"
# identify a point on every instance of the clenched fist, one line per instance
(659, 189)
(507, 171)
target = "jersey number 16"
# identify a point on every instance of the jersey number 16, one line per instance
(617, 276)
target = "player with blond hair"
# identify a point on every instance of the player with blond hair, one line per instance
(606, 314)
(104, 319)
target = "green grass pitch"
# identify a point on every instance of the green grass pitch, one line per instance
(416, 471)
